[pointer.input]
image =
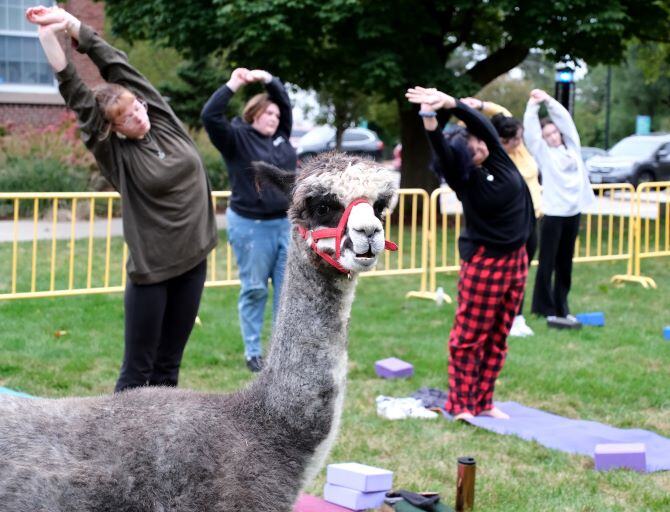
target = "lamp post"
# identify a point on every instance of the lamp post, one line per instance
(608, 105)
(565, 87)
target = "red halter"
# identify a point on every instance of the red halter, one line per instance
(337, 233)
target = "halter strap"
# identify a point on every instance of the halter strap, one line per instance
(336, 233)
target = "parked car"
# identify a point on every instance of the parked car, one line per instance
(635, 159)
(358, 141)
(296, 135)
(588, 152)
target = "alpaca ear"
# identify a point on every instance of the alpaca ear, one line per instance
(266, 174)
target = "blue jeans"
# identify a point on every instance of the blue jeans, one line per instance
(260, 247)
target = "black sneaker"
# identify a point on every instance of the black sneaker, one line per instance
(563, 322)
(255, 363)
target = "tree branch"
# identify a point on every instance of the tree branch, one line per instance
(463, 33)
(497, 63)
(444, 24)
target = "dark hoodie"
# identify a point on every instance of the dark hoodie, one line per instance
(240, 145)
(496, 201)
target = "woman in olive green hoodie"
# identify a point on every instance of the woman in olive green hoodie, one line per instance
(146, 154)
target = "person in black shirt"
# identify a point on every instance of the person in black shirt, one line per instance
(499, 218)
(258, 226)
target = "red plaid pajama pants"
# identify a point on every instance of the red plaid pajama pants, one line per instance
(490, 290)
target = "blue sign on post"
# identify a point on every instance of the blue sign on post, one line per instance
(642, 125)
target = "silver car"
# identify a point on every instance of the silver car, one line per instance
(635, 159)
(358, 141)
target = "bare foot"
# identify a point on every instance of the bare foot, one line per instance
(463, 416)
(495, 413)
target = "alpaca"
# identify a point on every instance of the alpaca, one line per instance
(161, 449)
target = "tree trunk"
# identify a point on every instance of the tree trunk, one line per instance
(416, 154)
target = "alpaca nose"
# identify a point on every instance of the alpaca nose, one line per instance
(363, 223)
(368, 231)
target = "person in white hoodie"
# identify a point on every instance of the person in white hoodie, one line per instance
(554, 143)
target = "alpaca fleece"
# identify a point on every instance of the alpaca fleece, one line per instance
(170, 450)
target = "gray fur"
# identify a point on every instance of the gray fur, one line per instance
(160, 449)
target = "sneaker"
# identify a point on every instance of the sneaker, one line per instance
(563, 322)
(574, 321)
(255, 363)
(524, 327)
(517, 327)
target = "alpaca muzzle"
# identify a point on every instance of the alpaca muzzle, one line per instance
(337, 233)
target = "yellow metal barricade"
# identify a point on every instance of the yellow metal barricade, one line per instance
(410, 232)
(606, 233)
(63, 245)
(607, 227)
(444, 229)
(58, 244)
(222, 269)
(652, 229)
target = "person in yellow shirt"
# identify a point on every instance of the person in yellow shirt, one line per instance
(510, 131)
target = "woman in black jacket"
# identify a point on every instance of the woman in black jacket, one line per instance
(258, 227)
(499, 217)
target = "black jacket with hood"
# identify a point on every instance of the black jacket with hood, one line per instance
(240, 145)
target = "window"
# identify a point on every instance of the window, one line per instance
(23, 65)
(352, 136)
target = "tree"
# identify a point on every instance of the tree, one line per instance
(637, 89)
(382, 48)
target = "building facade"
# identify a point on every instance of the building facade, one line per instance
(28, 90)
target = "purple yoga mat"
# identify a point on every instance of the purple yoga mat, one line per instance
(7, 391)
(573, 436)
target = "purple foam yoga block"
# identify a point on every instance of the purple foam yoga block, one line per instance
(359, 477)
(666, 332)
(595, 318)
(350, 498)
(621, 455)
(307, 503)
(393, 368)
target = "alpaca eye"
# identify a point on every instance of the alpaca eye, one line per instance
(323, 209)
(379, 207)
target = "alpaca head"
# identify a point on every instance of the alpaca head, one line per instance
(338, 205)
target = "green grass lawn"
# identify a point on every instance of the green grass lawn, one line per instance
(618, 374)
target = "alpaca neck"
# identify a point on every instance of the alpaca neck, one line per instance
(305, 374)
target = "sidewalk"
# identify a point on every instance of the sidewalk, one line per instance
(26, 229)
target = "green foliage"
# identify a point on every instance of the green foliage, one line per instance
(21, 174)
(51, 159)
(347, 48)
(34, 174)
(197, 81)
(634, 91)
(383, 117)
(214, 163)
(509, 93)
(379, 48)
(157, 63)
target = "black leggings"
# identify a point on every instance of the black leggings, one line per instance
(531, 247)
(557, 247)
(158, 321)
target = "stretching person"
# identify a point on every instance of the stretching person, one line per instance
(510, 131)
(566, 192)
(258, 226)
(499, 217)
(168, 220)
